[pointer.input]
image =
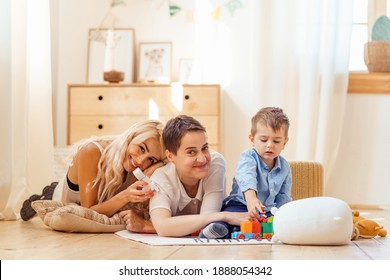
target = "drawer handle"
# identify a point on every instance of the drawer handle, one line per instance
(100, 97)
(100, 126)
(186, 97)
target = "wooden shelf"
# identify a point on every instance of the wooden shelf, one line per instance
(365, 82)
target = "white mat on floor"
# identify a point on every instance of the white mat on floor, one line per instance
(153, 239)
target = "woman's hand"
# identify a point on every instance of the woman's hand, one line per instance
(235, 218)
(137, 192)
(135, 223)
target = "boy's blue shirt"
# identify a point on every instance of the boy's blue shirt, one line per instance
(273, 187)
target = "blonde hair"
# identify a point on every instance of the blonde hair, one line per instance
(110, 167)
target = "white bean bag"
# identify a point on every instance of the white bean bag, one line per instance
(314, 221)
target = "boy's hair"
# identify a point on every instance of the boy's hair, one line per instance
(176, 128)
(270, 116)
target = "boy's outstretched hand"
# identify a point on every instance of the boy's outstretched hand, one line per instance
(255, 207)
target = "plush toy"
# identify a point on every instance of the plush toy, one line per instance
(366, 228)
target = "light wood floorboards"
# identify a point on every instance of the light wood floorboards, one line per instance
(21, 240)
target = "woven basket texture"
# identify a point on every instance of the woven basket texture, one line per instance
(307, 179)
(377, 56)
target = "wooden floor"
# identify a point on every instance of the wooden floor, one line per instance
(21, 240)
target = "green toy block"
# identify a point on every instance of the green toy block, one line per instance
(267, 228)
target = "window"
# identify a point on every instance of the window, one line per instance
(365, 13)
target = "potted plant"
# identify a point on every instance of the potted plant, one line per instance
(377, 52)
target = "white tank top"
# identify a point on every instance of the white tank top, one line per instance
(99, 146)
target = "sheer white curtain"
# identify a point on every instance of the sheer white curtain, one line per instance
(26, 142)
(302, 63)
(287, 53)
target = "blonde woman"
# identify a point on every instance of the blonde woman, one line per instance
(100, 174)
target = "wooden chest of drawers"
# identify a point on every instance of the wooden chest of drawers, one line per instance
(110, 109)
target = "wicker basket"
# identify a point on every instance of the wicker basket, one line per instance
(307, 179)
(377, 56)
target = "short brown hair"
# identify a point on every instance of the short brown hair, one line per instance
(176, 128)
(270, 116)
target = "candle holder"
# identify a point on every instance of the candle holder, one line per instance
(113, 76)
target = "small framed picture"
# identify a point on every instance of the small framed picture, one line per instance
(155, 62)
(110, 50)
(185, 68)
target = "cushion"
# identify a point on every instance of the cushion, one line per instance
(75, 218)
(314, 221)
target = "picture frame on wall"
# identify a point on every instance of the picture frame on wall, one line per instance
(111, 54)
(155, 62)
(185, 70)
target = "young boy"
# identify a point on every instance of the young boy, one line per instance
(263, 176)
(192, 184)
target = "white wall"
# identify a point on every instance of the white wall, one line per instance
(364, 158)
(72, 18)
(362, 170)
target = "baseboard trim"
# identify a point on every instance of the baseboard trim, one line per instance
(367, 206)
